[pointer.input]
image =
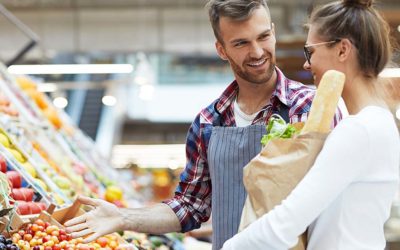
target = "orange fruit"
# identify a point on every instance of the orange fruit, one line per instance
(53, 117)
(25, 83)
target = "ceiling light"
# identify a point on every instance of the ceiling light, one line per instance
(390, 73)
(47, 87)
(71, 69)
(109, 100)
(398, 28)
(60, 102)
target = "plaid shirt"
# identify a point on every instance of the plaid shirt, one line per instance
(192, 200)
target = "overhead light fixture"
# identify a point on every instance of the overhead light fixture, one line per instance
(390, 73)
(398, 28)
(59, 99)
(109, 100)
(60, 102)
(47, 87)
(71, 69)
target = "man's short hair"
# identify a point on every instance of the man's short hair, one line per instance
(238, 10)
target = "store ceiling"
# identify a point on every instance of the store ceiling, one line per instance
(33, 4)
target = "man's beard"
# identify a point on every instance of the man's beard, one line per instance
(252, 77)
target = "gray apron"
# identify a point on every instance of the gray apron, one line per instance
(229, 151)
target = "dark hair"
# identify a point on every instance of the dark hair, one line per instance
(358, 21)
(238, 10)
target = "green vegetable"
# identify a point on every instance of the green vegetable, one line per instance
(278, 128)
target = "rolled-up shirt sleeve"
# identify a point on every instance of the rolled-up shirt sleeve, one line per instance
(192, 200)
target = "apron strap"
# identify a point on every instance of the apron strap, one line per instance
(217, 121)
(283, 111)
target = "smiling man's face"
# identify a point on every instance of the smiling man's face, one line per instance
(249, 46)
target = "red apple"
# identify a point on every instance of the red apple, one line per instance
(102, 241)
(3, 164)
(22, 194)
(46, 238)
(35, 209)
(15, 178)
(56, 247)
(42, 207)
(63, 237)
(23, 208)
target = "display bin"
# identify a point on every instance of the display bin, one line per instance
(57, 218)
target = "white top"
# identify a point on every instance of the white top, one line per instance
(242, 119)
(346, 196)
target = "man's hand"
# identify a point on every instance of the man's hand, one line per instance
(104, 219)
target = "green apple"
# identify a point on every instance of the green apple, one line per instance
(62, 182)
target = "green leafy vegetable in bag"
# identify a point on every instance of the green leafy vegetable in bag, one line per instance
(278, 128)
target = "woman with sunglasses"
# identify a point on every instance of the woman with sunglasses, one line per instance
(345, 199)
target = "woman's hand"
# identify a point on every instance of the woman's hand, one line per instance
(104, 219)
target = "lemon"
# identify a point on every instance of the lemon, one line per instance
(17, 155)
(30, 169)
(113, 193)
(4, 140)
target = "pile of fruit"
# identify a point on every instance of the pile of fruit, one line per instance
(155, 242)
(22, 195)
(7, 244)
(62, 182)
(30, 89)
(6, 107)
(42, 235)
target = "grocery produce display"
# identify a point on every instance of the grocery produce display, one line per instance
(41, 235)
(46, 161)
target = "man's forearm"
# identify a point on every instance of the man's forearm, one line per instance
(157, 219)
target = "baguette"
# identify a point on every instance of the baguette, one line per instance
(325, 102)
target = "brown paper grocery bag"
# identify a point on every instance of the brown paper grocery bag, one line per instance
(274, 173)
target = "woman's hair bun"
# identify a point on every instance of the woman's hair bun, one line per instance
(358, 3)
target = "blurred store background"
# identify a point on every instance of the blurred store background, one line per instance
(168, 70)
